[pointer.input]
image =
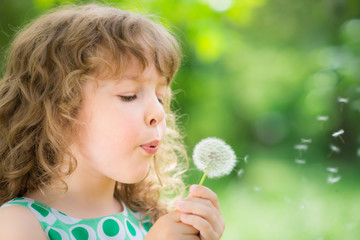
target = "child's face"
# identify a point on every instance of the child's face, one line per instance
(123, 122)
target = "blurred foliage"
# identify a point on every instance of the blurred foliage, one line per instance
(258, 73)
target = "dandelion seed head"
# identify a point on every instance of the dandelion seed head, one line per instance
(334, 148)
(301, 147)
(214, 157)
(343, 100)
(323, 118)
(338, 133)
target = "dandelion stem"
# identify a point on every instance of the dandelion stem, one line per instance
(202, 179)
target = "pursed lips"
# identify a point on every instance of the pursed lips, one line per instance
(151, 147)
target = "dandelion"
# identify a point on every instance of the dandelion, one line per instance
(342, 101)
(214, 157)
(338, 134)
(332, 170)
(303, 140)
(333, 180)
(300, 161)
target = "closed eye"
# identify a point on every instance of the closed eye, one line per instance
(128, 98)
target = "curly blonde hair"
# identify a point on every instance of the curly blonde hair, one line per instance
(41, 93)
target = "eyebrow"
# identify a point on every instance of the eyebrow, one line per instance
(137, 77)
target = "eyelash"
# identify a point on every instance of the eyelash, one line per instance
(133, 97)
(128, 98)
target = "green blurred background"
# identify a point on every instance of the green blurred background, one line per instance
(258, 74)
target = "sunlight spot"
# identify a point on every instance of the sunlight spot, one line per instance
(220, 5)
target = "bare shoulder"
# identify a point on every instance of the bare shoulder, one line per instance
(17, 222)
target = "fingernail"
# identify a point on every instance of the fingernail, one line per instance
(180, 203)
(193, 188)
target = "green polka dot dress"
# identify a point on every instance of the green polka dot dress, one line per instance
(59, 226)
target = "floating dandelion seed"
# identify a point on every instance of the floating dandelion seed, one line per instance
(214, 157)
(332, 170)
(358, 152)
(287, 200)
(246, 159)
(240, 172)
(333, 149)
(303, 140)
(257, 189)
(338, 134)
(342, 101)
(322, 119)
(300, 161)
(301, 147)
(333, 180)
(351, 225)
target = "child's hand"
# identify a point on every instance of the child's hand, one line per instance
(201, 210)
(170, 227)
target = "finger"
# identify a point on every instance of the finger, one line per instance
(205, 228)
(202, 208)
(206, 193)
(184, 228)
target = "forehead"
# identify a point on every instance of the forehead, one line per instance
(128, 68)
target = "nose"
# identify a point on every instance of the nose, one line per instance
(155, 113)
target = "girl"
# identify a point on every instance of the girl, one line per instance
(88, 143)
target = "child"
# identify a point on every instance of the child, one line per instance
(88, 143)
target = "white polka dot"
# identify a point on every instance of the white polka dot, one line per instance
(65, 219)
(49, 219)
(138, 215)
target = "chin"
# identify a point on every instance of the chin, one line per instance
(135, 178)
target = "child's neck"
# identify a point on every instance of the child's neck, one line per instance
(88, 196)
